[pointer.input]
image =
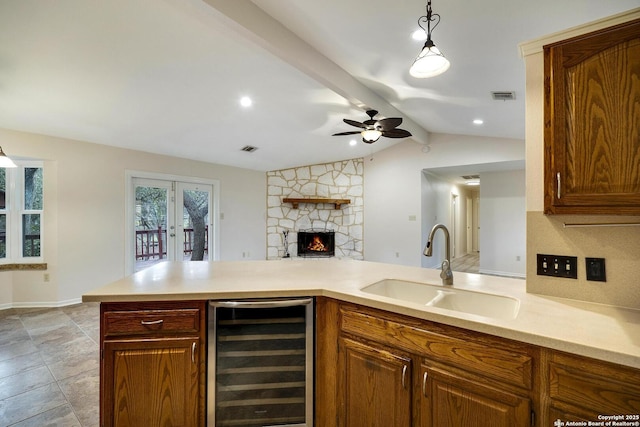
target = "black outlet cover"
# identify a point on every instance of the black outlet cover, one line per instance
(595, 269)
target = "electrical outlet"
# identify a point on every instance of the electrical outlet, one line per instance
(46, 277)
(595, 269)
(557, 266)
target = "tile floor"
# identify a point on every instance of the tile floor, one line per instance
(49, 366)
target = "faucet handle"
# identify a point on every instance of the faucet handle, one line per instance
(446, 274)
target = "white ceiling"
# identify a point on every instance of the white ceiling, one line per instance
(166, 76)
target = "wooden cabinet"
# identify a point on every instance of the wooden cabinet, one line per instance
(591, 131)
(399, 371)
(581, 389)
(377, 386)
(152, 368)
(450, 399)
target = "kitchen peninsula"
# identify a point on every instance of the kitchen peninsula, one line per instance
(528, 358)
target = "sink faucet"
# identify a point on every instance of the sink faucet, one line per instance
(446, 274)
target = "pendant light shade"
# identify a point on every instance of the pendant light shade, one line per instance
(430, 61)
(6, 162)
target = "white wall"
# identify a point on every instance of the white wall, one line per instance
(503, 223)
(394, 224)
(83, 231)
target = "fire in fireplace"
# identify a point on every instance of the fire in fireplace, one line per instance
(316, 243)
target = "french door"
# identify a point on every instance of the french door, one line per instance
(171, 221)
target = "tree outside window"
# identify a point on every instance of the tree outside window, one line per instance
(21, 210)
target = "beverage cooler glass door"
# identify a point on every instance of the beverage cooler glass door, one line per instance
(260, 370)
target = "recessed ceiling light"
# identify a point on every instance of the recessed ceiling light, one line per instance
(353, 142)
(419, 35)
(478, 121)
(245, 101)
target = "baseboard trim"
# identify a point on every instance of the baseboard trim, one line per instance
(41, 304)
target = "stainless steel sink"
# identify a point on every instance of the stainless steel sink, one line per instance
(464, 301)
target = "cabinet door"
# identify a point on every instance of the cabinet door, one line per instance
(449, 400)
(592, 111)
(152, 382)
(376, 386)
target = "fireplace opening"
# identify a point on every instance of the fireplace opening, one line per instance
(316, 243)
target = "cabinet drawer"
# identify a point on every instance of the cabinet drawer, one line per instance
(495, 358)
(591, 384)
(151, 322)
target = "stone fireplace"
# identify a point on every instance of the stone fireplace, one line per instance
(341, 183)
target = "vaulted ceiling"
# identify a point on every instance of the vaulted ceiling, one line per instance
(167, 76)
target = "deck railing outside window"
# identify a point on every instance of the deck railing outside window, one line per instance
(152, 244)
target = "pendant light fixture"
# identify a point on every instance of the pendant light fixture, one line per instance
(5, 161)
(430, 62)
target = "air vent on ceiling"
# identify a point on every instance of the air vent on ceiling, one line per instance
(249, 148)
(503, 96)
(471, 176)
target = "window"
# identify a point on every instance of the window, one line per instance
(21, 213)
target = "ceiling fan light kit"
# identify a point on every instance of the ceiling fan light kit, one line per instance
(430, 61)
(372, 129)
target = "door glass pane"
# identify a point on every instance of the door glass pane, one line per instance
(33, 188)
(3, 236)
(195, 221)
(31, 235)
(150, 225)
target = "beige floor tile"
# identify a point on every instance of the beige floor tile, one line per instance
(29, 404)
(25, 381)
(62, 416)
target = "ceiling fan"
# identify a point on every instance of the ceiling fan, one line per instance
(373, 129)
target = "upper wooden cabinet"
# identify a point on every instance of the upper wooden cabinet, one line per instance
(592, 123)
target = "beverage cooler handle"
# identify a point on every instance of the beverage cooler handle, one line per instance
(261, 303)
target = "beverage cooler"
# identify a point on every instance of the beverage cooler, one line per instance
(260, 363)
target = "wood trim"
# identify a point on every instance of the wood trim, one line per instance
(295, 201)
(23, 266)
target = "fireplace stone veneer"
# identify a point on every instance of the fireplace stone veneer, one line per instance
(337, 180)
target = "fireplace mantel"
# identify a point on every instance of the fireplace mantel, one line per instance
(296, 201)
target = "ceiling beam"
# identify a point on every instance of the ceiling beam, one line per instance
(255, 24)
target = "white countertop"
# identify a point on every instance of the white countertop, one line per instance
(593, 330)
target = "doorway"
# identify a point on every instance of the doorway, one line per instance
(170, 220)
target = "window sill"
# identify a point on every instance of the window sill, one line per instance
(23, 266)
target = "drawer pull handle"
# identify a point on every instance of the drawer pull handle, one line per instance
(424, 383)
(151, 322)
(404, 376)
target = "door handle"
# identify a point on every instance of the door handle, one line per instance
(193, 352)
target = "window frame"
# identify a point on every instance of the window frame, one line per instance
(15, 210)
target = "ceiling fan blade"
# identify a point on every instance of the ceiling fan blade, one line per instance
(347, 133)
(389, 123)
(354, 123)
(396, 133)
